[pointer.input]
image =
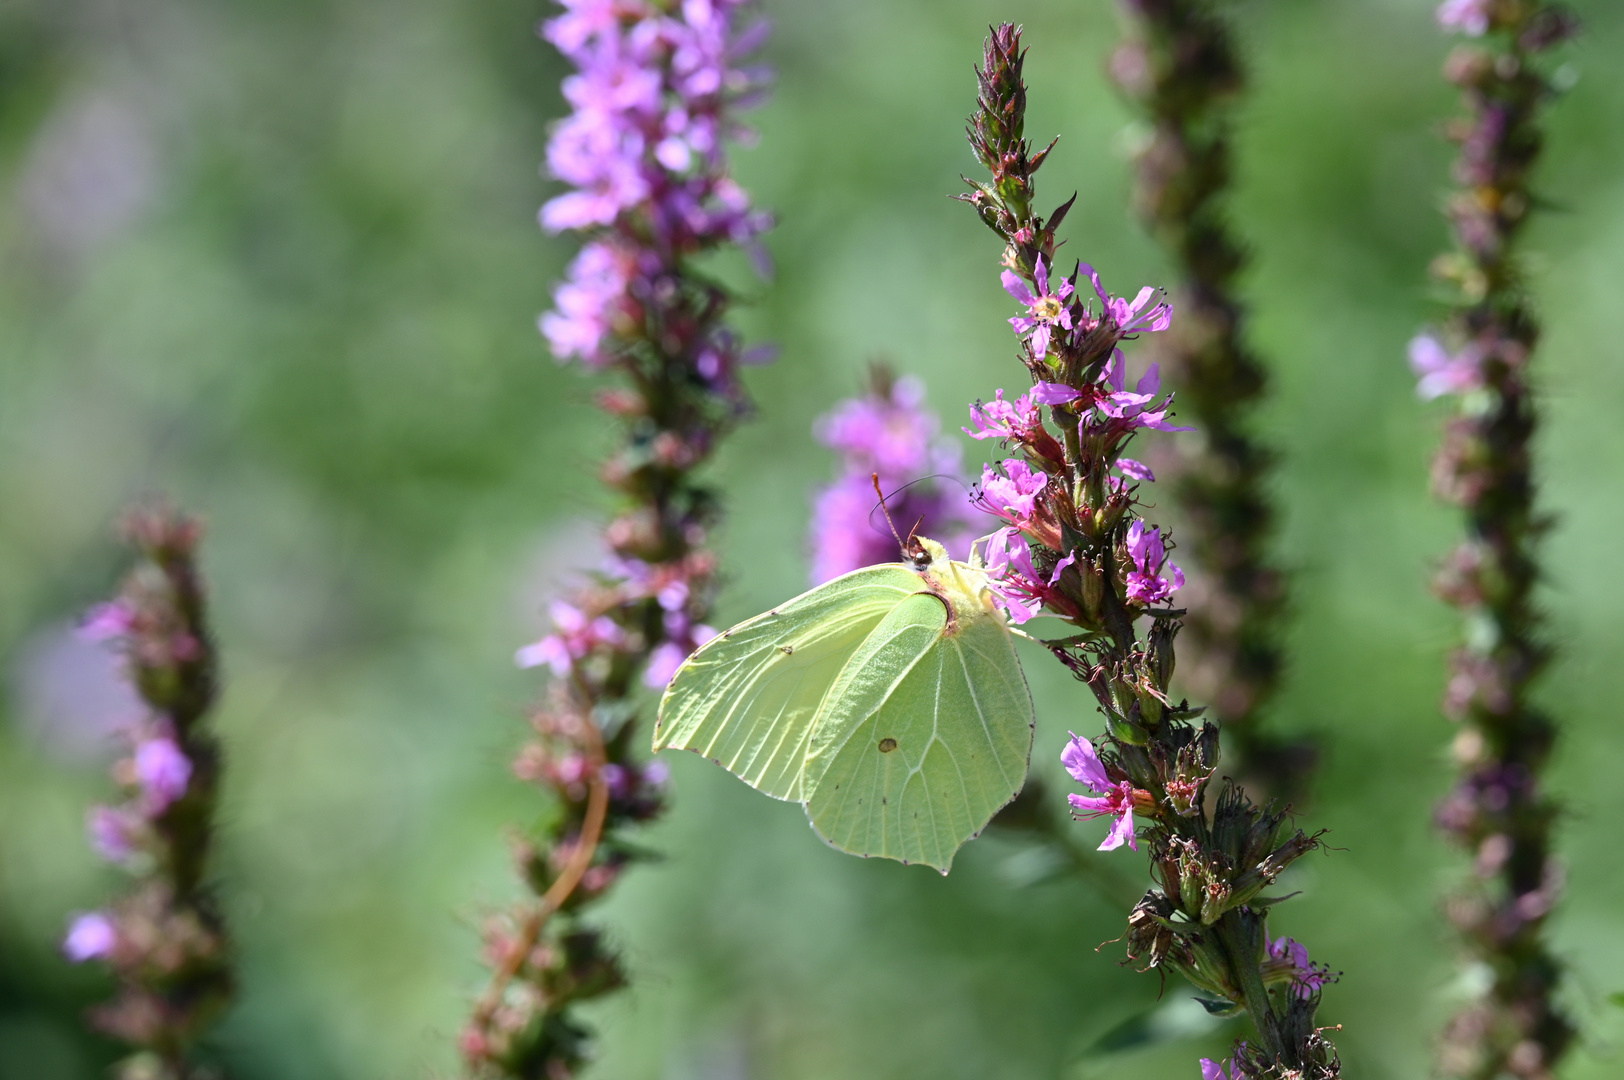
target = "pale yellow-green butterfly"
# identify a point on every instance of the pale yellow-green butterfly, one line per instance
(889, 701)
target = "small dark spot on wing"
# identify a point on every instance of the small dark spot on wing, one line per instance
(786, 649)
(887, 745)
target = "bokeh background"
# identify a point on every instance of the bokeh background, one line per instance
(278, 259)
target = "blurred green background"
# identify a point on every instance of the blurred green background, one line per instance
(278, 259)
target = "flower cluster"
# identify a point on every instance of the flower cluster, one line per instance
(1499, 811)
(654, 98)
(164, 940)
(1075, 546)
(889, 434)
(671, 599)
(1180, 65)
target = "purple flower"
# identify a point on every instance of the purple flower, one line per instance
(574, 637)
(586, 303)
(1045, 310)
(652, 104)
(684, 637)
(1017, 585)
(1291, 958)
(1137, 408)
(1442, 372)
(1468, 16)
(1131, 318)
(845, 535)
(90, 937)
(162, 770)
(1148, 555)
(1110, 799)
(891, 435)
(663, 663)
(1011, 495)
(1000, 419)
(1134, 470)
(585, 22)
(105, 622)
(112, 833)
(888, 432)
(1049, 393)
(1213, 1070)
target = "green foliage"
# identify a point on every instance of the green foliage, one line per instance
(316, 326)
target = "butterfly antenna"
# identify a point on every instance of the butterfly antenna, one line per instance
(875, 477)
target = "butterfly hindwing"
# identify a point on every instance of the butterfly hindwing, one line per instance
(925, 736)
(749, 699)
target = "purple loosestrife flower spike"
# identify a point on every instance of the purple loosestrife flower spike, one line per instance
(164, 939)
(1180, 65)
(654, 101)
(890, 433)
(1076, 547)
(1499, 812)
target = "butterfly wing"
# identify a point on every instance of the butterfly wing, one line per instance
(749, 698)
(925, 736)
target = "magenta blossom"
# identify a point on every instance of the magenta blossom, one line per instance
(1214, 1070)
(1291, 958)
(1137, 408)
(1049, 393)
(1045, 310)
(574, 637)
(1110, 799)
(1131, 318)
(1442, 372)
(112, 833)
(1148, 553)
(889, 432)
(1000, 419)
(106, 622)
(90, 937)
(1468, 16)
(892, 435)
(1017, 585)
(1134, 470)
(586, 304)
(1012, 494)
(162, 770)
(668, 656)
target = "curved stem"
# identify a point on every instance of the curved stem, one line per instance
(586, 849)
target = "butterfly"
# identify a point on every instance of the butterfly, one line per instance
(888, 701)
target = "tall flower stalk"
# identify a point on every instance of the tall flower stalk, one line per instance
(1076, 547)
(887, 436)
(1182, 68)
(164, 940)
(657, 87)
(1499, 811)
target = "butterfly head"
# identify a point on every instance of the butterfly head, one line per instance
(919, 553)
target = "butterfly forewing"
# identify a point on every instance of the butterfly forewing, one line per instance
(925, 736)
(749, 698)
